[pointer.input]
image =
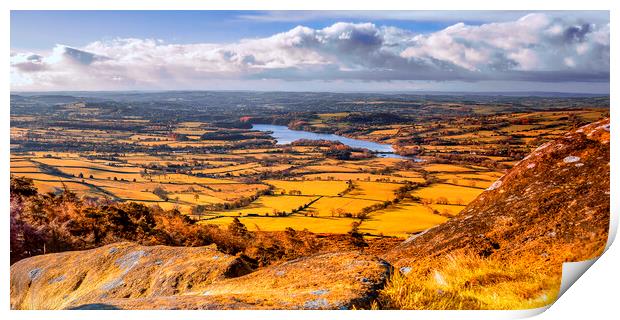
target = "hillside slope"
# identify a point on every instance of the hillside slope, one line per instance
(554, 204)
(550, 208)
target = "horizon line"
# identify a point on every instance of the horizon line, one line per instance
(499, 92)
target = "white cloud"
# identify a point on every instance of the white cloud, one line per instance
(536, 47)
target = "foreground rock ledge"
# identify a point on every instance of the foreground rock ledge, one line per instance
(129, 276)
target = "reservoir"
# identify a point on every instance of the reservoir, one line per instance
(284, 135)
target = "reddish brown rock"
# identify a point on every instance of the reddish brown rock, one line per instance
(553, 206)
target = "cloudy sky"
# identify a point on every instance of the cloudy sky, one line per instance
(564, 51)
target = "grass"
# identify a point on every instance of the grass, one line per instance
(191, 198)
(21, 163)
(447, 209)
(401, 220)
(269, 205)
(409, 174)
(323, 188)
(329, 168)
(380, 191)
(228, 168)
(467, 281)
(385, 132)
(45, 186)
(42, 176)
(182, 178)
(475, 180)
(296, 221)
(438, 167)
(325, 206)
(24, 169)
(100, 174)
(452, 193)
(128, 193)
(359, 177)
(78, 163)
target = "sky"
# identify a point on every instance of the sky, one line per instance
(477, 51)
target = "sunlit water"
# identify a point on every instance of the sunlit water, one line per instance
(284, 135)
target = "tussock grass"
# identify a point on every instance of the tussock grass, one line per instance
(467, 281)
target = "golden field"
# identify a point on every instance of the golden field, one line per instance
(298, 184)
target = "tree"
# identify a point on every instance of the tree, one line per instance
(22, 186)
(357, 239)
(238, 229)
(441, 200)
(198, 210)
(161, 193)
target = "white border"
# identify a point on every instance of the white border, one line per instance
(595, 296)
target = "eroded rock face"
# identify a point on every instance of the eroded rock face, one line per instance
(553, 205)
(129, 276)
(121, 270)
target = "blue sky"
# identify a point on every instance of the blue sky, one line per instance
(78, 28)
(564, 51)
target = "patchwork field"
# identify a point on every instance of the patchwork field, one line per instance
(215, 171)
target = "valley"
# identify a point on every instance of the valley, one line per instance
(388, 167)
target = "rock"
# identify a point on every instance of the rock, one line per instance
(405, 270)
(190, 278)
(571, 159)
(561, 186)
(495, 185)
(34, 274)
(129, 270)
(316, 304)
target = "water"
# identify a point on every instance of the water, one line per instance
(284, 135)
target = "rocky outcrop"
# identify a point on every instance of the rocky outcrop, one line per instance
(128, 276)
(121, 270)
(553, 205)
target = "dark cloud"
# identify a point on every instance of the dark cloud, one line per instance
(80, 56)
(577, 33)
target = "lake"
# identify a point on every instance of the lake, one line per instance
(284, 135)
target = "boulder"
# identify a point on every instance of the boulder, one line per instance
(121, 270)
(129, 276)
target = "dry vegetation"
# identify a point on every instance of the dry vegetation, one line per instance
(468, 281)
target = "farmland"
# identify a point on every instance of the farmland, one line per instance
(203, 159)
